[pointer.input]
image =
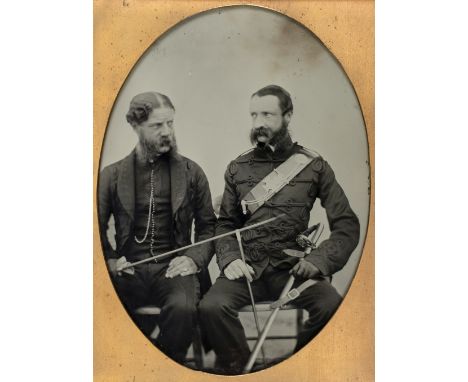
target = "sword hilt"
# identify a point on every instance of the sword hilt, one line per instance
(308, 238)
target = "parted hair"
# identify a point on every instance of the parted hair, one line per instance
(143, 104)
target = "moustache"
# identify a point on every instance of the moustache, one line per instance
(261, 131)
(155, 145)
(258, 132)
(165, 141)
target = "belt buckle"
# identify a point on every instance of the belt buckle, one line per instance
(292, 294)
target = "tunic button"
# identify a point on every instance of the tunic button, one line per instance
(233, 168)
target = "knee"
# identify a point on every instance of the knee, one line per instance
(322, 301)
(210, 306)
(181, 306)
(329, 303)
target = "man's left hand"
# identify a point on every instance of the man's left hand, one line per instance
(305, 270)
(181, 266)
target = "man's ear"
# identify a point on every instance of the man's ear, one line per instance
(288, 116)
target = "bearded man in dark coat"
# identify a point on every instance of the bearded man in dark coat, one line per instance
(154, 195)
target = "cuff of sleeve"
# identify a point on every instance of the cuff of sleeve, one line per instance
(227, 258)
(316, 259)
(112, 255)
(195, 257)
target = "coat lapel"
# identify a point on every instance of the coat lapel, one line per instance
(126, 184)
(178, 182)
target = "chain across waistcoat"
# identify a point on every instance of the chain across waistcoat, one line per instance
(190, 203)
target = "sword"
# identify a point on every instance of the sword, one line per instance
(307, 239)
(170, 253)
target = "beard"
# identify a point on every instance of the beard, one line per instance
(150, 149)
(271, 137)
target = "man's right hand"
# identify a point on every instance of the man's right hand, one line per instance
(115, 266)
(237, 269)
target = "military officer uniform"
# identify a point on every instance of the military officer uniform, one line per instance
(264, 246)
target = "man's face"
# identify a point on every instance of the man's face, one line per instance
(267, 119)
(156, 134)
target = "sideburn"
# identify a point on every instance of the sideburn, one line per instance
(280, 136)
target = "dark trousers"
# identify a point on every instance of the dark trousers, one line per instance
(219, 313)
(177, 298)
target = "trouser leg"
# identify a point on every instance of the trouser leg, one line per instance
(321, 300)
(178, 299)
(133, 292)
(131, 289)
(219, 317)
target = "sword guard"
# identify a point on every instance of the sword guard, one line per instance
(303, 241)
(306, 239)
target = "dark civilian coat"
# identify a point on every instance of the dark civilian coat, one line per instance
(190, 200)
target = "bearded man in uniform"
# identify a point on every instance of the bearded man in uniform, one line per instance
(267, 266)
(154, 195)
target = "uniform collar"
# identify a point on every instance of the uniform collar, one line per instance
(282, 149)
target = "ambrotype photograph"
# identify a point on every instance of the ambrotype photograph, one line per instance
(233, 192)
